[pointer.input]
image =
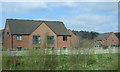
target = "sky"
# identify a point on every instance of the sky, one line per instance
(99, 17)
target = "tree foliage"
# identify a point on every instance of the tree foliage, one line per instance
(85, 34)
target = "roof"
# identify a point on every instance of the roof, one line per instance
(118, 35)
(18, 26)
(101, 36)
(57, 27)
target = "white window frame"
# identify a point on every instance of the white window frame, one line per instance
(18, 37)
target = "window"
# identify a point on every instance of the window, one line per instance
(36, 40)
(65, 48)
(64, 38)
(19, 48)
(50, 40)
(19, 37)
(104, 41)
(7, 33)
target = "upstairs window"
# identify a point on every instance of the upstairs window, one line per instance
(50, 38)
(36, 40)
(7, 33)
(18, 37)
(64, 38)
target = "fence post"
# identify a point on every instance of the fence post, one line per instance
(17, 52)
(101, 50)
(114, 49)
(94, 50)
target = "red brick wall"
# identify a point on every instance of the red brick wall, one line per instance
(43, 30)
(23, 43)
(6, 40)
(61, 43)
(74, 41)
(112, 40)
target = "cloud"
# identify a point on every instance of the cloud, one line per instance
(60, 0)
(64, 4)
(23, 7)
(97, 7)
(91, 22)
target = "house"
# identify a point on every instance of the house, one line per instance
(106, 40)
(20, 34)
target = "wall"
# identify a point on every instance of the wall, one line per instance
(23, 43)
(62, 43)
(43, 31)
(74, 41)
(6, 40)
(112, 40)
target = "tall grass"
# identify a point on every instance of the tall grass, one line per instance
(38, 59)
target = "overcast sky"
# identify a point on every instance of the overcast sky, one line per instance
(87, 16)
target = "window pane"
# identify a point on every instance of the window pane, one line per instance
(36, 40)
(39, 38)
(50, 37)
(64, 38)
(19, 37)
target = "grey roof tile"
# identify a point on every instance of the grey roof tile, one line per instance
(18, 26)
(101, 36)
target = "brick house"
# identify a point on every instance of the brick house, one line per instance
(20, 34)
(106, 40)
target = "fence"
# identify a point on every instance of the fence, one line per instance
(68, 52)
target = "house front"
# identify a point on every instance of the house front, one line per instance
(20, 34)
(106, 40)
